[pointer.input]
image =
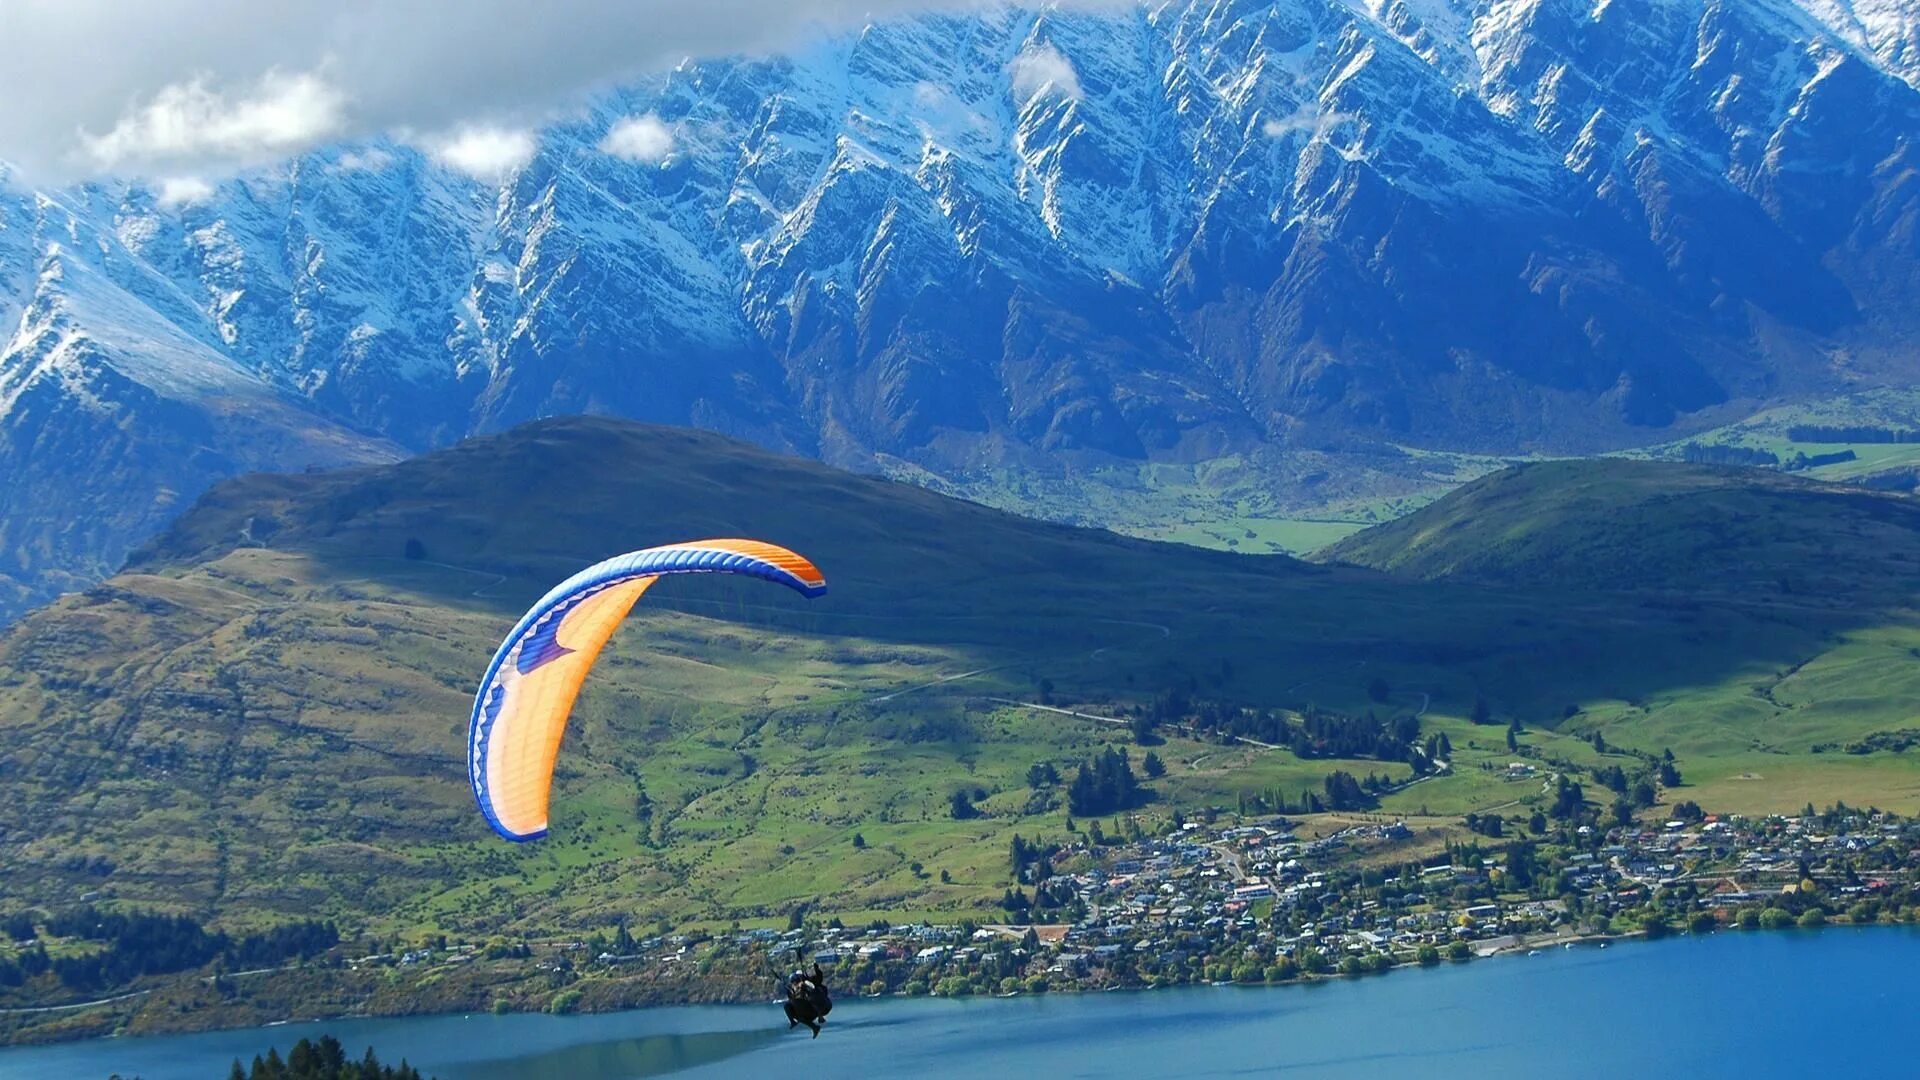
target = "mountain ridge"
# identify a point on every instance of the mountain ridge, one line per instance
(1211, 228)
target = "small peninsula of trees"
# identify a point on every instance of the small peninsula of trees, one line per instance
(322, 1059)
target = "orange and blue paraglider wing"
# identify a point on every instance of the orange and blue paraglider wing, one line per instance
(521, 711)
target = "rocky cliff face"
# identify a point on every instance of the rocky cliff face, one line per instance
(1156, 233)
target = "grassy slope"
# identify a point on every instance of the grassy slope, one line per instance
(1615, 525)
(1764, 548)
(252, 731)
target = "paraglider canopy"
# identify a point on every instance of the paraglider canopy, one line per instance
(521, 710)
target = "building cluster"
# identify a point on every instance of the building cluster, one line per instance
(1254, 901)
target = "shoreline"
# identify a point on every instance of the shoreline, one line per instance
(609, 997)
(1457, 1025)
(719, 994)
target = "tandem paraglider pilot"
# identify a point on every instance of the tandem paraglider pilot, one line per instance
(807, 1000)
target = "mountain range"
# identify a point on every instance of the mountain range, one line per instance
(1023, 239)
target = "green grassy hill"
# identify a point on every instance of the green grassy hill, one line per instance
(1618, 525)
(264, 715)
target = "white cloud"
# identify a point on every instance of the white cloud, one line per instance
(485, 153)
(206, 87)
(177, 191)
(1308, 118)
(1040, 68)
(194, 122)
(372, 159)
(639, 138)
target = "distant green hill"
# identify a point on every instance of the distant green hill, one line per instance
(1637, 525)
(264, 714)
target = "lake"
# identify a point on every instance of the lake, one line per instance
(1833, 1002)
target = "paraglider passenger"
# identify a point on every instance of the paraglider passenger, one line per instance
(807, 1001)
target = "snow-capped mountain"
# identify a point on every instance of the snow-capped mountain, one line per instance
(967, 241)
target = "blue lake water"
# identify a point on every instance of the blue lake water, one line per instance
(1829, 1003)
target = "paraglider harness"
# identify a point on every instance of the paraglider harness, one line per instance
(807, 1001)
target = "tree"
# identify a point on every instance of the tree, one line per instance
(1142, 725)
(1513, 735)
(1042, 774)
(1537, 824)
(960, 805)
(1344, 792)
(1104, 785)
(1643, 794)
(1622, 812)
(1568, 800)
(1669, 775)
(1154, 766)
(859, 842)
(1482, 713)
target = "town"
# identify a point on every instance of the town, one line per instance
(1230, 898)
(1264, 901)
